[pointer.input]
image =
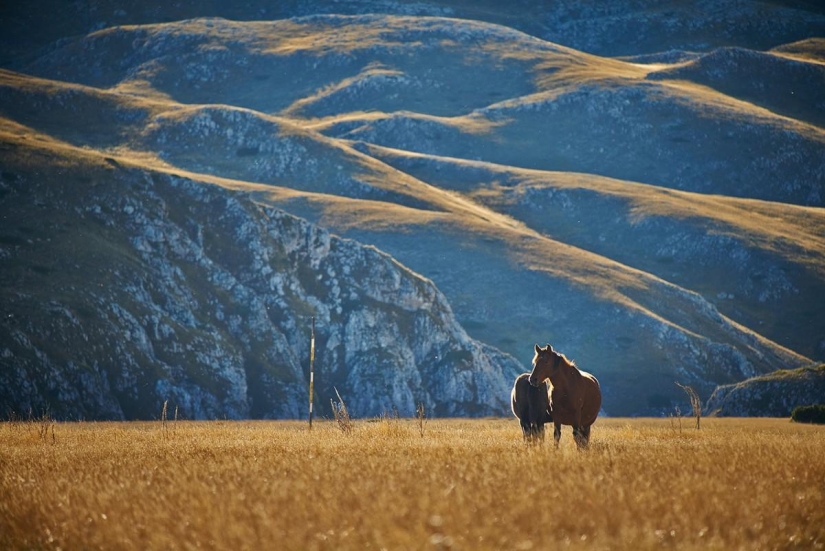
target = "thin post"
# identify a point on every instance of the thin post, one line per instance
(311, 369)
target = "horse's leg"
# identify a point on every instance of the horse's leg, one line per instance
(578, 435)
(556, 432)
(582, 436)
(526, 430)
(540, 428)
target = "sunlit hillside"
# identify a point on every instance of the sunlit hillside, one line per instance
(652, 206)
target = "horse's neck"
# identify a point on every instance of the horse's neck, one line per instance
(568, 376)
(572, 373)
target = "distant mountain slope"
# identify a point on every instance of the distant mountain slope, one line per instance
(758, 262)
(773, 395)
(366, 62)
(784, 84)
(481, 92)
(647, 215)
(810, 49)
(653, 133)
(125, 287)
(603, 27)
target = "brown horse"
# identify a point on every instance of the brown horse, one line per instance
(575, 395)
(531, 404)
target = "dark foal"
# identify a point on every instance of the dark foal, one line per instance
(531, 404)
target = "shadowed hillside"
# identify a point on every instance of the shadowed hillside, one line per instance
(785, 83)
(652, 207)
(755, 260)
(141, 286)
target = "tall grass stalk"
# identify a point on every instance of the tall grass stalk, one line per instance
(421, 418)
(695, 402)
(163, 425)
(339, 411)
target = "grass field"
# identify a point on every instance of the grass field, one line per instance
(460, 484)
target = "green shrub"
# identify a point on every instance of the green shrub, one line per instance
(809, 414)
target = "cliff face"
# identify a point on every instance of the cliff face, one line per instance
(772, 395)
(175, 289)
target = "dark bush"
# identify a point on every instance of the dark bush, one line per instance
(809, 414)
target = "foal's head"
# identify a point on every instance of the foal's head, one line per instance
(547, 364)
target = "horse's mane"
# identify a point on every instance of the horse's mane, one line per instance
(571, 363)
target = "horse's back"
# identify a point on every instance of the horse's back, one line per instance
(564, 400)
(529, 403)
(592, 397)
(518, 397)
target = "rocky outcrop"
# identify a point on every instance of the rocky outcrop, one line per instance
(772, 395)
(135, 287)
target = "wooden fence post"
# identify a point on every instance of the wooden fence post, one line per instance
(311, 370)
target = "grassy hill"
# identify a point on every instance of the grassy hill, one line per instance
(602, 27)
(652, 207)
(774, 394)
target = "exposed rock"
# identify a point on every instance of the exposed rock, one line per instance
(198, 295)
(772, 395)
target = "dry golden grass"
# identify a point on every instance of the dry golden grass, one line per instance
(465, 484)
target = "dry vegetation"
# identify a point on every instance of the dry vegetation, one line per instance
(643, 484)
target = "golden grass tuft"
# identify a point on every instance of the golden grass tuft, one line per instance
(462, 484)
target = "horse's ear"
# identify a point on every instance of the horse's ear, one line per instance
(538, 350)
(550, 348)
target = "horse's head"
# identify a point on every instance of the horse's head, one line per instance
(546, 365)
